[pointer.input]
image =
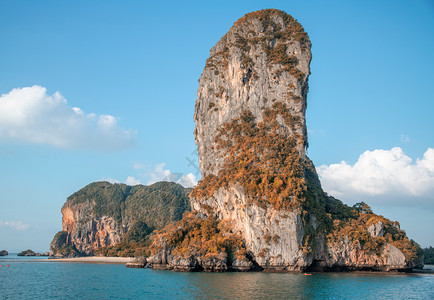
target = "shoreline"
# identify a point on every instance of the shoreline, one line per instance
(90, 260)
(125, 260)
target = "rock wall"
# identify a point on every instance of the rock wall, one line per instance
(275, 237)
(101, 214)
(251, 137)
(87, 231)
(262, 61)
(251, 69)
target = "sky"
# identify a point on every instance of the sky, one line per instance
(105, 90)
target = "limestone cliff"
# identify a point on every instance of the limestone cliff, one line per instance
(104, 214)
(256, 178)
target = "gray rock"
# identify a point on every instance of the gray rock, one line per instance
(239, 76)
(229, 85)
(242, 265)
(27, 252)
(138, 262)
(377, 229)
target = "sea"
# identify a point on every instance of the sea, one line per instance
(26, 278)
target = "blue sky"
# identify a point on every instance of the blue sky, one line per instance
(94, 90)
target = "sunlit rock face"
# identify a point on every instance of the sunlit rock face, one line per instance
(260, 67)
(251, 137)
(259, 204)
(102, 214)
(264, 59)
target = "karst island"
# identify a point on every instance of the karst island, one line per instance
(259, 205)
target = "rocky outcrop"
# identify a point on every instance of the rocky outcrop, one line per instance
(349, 255)
(377, 229)
(273, 236)
(102, 214)
(93, 233)
(263, 60)
(27, 252)
(138, 263)
(252, 138)
(3, 253)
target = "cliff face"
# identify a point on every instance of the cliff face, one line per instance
(259, 68)
(262, 61)
(103, 214)
(87, 231)
(251, 137)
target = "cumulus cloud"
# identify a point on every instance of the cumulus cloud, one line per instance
(382, 176)
(161, 174)
(29, 115)
(188, 180)
(18, 225)
(131, 180)
(109, 179)
(158, 173)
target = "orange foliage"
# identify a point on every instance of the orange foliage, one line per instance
(194, 235)
(357, 230)
(262, 157)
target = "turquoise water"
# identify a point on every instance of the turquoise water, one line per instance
(25, 279)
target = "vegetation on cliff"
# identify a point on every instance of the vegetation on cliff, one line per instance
(293, 29)
(135, 243)
(265, 161)
(154, 204)
(337, 220)
(262, 149)
(272, 39)
(136, 210)
(205, 237)
(357, 228)
(262, 159)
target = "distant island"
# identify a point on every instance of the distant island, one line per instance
(115, 219)
(260, 204)
(30, 252)
(3, 253)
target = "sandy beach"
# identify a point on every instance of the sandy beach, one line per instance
(93, 259)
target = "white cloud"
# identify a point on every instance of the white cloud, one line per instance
(131, 180)
(161, 174)
(109, 179)
(382, 176)
(30, 115)
(188, 180)
(18, 225)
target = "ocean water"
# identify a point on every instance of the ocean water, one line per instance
(28, 279)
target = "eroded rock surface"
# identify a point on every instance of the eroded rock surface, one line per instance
(251, 137)
(102, 214)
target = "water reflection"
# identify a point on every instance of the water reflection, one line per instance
(254, 285)
(299, 286)
(51, 280)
